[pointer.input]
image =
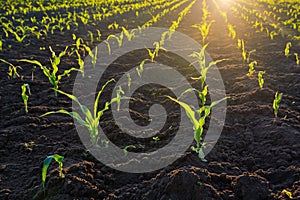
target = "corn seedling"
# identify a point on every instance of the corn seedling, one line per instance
(273, 34)
(98, 37)
(18, 38)
(152, 54)
(108, 47)
(128, 34)
(249, 55)
(25, 97)
(198, 124)
(114, 25)
(140, 69)
(276, 102)
(119, 93)
(232, 32)
(92, 55)
(128, 80)
(200, 56)
(288, 193)
(1, 44)
(80, 62)
(287, 49)
(52, 76)
(12, 70)
(156, 139)
(251, 68)
(204, 29)
(128, 147)
(241, 44)
(59, 159)
(119, 39)
(91, 35)
(261, 79)
(91, 122)
(28, 145)
(297, 58)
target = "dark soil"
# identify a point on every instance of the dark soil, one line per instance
(256, 157)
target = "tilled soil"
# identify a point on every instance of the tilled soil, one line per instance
(256, 157)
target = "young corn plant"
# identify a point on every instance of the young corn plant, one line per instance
(197, 118)
(125, 149)
(114, 25)
(118, 39)
(128, 34)
(273, 34)
(18, 38)
(92, 55)
(25, 97)
(249, 55)
(297, 58)
(98, 37)
(80, 62)
(200, 56)
(128, 80)
(287, 49)
(276, 102)
(12, 70)
(251, 68)
(59, 159)
(91, 35)
(261, 79)
(52, 76)
(140, 68)
(232, 32)
(91, 121)
(241, 44)
(204, 29)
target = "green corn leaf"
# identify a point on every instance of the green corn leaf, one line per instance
(190, 113)
(70, 96)
(35, 62)
(46, 164)
(98, 96)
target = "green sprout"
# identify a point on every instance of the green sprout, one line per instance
(241, 44)
(276, 102)
(12, 70)
(128, 80)
(251, 68)
(204, 29)
(156, 139)
(25, 97)
(98, 38)
(92, 55)
(288, 193)
(128, 34)
(273, 34)
(46, 164)
(297, 58)
(287, 49)
(91, 122)
(198, 124)
(261, 79)
(128, 147)
(52, 76)
(201, 59)
(80, 62)
(140, 69)
(90, 33)
(119, 39)
(232, 32)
